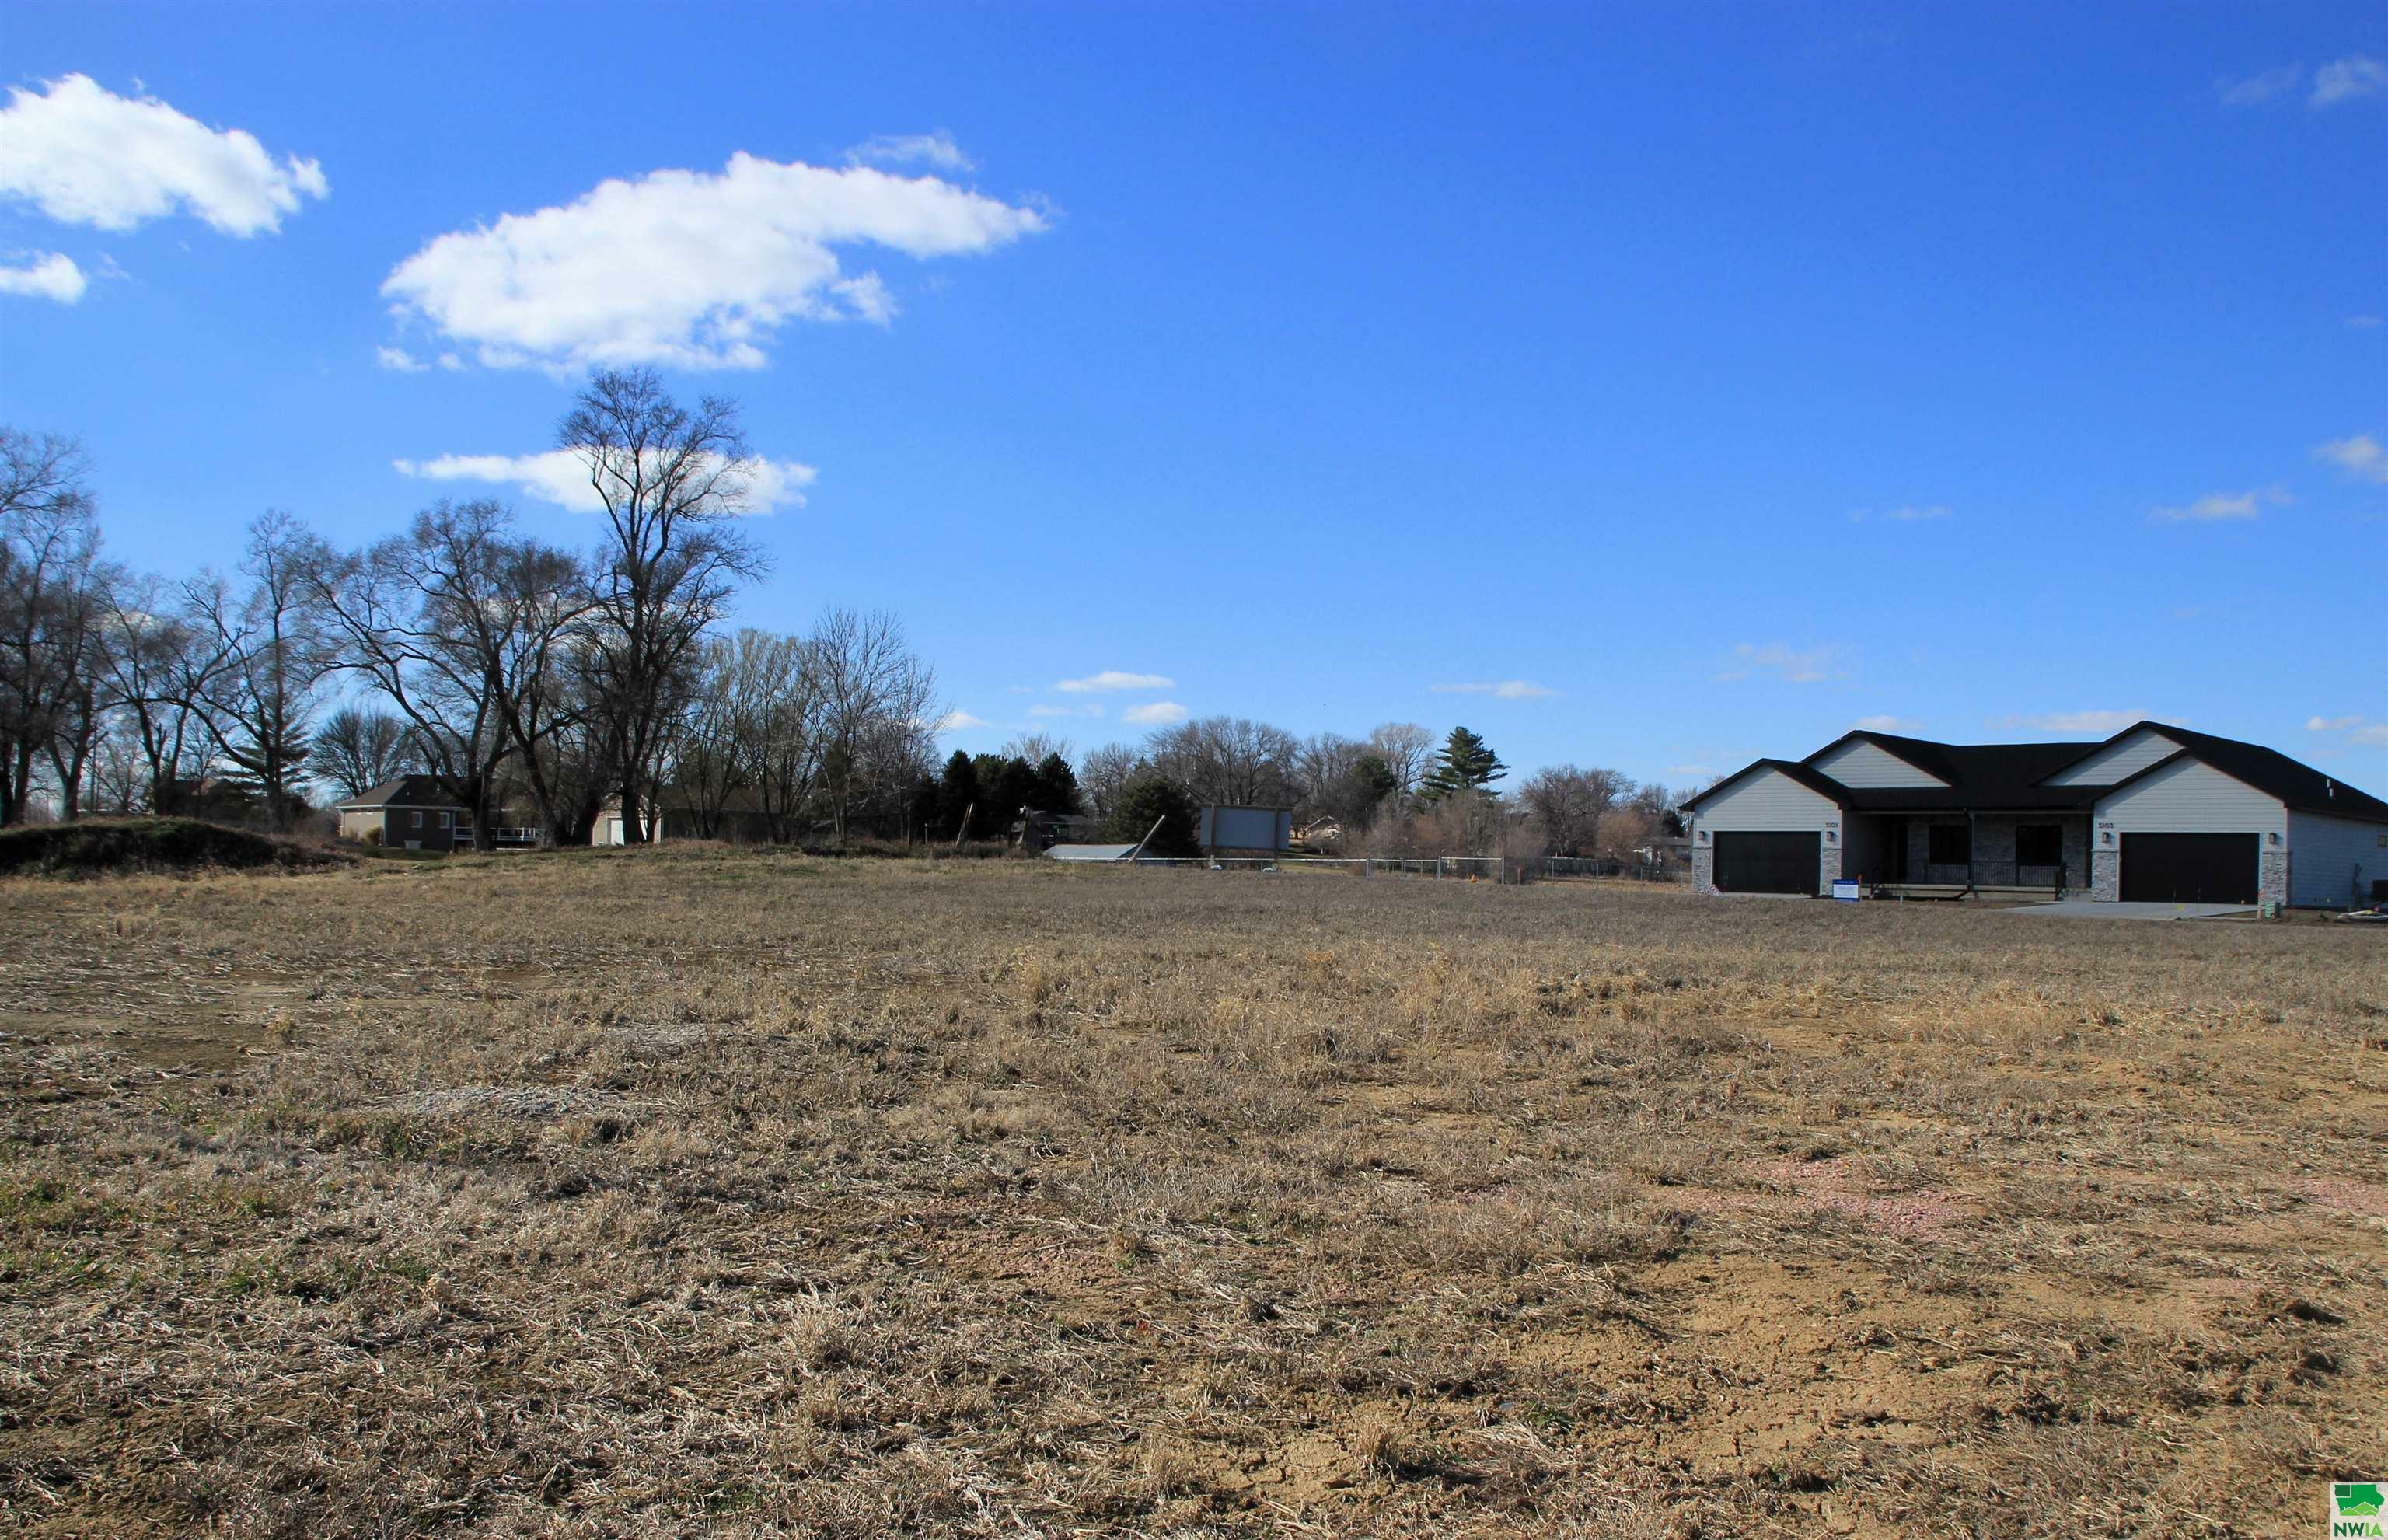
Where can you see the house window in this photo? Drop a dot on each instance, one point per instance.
(2039, 845)
(1951, 844)
(418, 818)
(443, 821)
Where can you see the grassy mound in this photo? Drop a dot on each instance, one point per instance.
(100, 846)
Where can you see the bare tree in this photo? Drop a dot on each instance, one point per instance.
(780, 724)
(275, 659)
(1321, 760)
(117, 776)
(1032, 748)
(1568, 802)
(672, 481)
(1623, 827)
(717, 745)
(357, 749)
(78, 643)
(1104, 778)
(1228, 760)
(1407, 750)
(49, 570)
(459, 625)
(876, 696)
(160, 666)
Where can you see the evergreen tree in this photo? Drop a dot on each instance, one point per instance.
(927, 796)
(1151, 798)
(1372, 781)
(957, 793)
(1057, 787)
(1014, 787)
(1467, 764)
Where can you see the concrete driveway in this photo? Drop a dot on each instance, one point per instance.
(2085, 909)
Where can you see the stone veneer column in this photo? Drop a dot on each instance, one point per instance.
(1704, 869)
(2272, 886)
(2106, 875)
(1828, 865)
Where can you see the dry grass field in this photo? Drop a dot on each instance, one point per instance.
(740, 1194)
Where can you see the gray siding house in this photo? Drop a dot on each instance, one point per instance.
(2156, 813)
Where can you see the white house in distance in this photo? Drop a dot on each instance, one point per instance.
(2156, 813)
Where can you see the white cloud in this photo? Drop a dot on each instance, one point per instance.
(2095, 724)
(84, 155)
(2368, 734)
(1507, 690)
(1789, 664)
(1154, 714)
(2363, 322)
(691, 269)
(955, 721)
(2215, 507)
(561, 476)
(2260, 87)
(1884, 723)
(937, 149)
(1043, 710)
(1702, 770)
(1113, 679)
(2347, 79)
(2359, 456)
(399, 361)
(52, 275)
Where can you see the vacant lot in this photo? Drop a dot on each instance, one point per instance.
(747, 1195)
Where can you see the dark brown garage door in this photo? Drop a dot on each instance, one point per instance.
(1766, 862)
(2189, 869)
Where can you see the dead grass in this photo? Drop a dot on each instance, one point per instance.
(756, 1195)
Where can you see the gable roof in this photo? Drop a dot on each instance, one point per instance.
(2300, 787)
(2003, 776)
(405, 791)
(1815, 780)
(2014, 777)
(1922, 753)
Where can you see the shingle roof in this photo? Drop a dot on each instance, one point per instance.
(1815, 780)
(2003, 776)
(2302, 787)
(405, 791)
(2012, 777)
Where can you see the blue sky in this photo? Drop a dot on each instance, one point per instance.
(1713, 379)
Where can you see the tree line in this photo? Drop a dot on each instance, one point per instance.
(550, 683)
(515, 673)
(1398, 791)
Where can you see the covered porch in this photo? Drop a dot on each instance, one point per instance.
(1989, 855)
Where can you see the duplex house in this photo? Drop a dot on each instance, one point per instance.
(410, 812)
(2154, 813)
